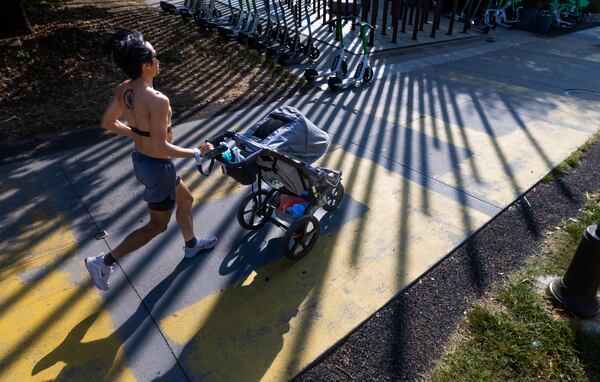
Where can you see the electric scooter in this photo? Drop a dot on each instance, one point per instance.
(208, 16)
(176, 9)
(187, 15)
(339, 65)
(298, 51)
(255, 41)
(496, 13)
(310, 50)
(274, 50)
(271, 42)
(231, 31)
(364, 71)
(255, 26)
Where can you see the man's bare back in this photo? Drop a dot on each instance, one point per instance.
(141, 105)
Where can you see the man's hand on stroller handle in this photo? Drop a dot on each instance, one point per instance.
(205, 148)
(208, 151)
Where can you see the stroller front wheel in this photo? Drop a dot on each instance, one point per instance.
(301, 237)
(334, 197)
(253, 212)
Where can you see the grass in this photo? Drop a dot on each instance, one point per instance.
(572, 161)
(516, 335)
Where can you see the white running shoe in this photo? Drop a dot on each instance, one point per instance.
(202, 243)
(99, 271)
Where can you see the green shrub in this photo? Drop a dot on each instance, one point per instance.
(594, 6)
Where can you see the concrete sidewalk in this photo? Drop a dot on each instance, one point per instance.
(430, 152)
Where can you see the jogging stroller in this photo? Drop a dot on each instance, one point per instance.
(278, 152)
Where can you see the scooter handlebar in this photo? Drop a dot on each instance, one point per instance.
(364, 24)
(332, 22)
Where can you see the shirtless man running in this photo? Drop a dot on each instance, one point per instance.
(148, 116)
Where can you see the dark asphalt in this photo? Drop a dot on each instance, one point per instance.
(403, 340)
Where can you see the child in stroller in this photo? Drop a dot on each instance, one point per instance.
(278, 152)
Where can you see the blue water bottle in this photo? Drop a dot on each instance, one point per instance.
(298, 209)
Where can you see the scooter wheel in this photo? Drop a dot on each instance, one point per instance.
(334, 83)
(368, 76)
(216, 13)
(198, 16)
(310, 75)
(314, 53)
(486, 29)
(301, 237)
(271, 54)
(260, 47)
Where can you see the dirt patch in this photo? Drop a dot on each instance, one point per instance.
(59, 80)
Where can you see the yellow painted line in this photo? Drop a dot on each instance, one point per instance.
(51, 327)
(283, 316)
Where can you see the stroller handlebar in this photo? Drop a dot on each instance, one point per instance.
(221, 137)
(217, 143)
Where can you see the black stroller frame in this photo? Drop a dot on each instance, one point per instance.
(261, 205)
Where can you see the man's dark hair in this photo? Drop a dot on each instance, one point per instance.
(129, 50)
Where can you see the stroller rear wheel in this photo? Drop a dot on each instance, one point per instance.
(334, 197)
(301, 237)
(253, 212)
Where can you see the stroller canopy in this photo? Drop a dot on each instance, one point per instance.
(287, 131)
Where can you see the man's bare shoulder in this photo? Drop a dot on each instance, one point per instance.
(156, 98)
(122, 86)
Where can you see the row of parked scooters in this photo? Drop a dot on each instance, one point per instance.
(277, 40)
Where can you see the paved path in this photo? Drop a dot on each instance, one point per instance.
(429, 155)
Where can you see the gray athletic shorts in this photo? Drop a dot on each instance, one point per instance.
(160, 179)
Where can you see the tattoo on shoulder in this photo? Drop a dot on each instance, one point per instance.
(128, 99)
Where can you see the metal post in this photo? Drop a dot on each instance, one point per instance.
(417, 20)
(576, 290)
(468, 16)
(404, 15)
(437, 16)
(385, 16)
(374, 9)
(395, 11)
(452, 17)
(425, 15)
(365, 10)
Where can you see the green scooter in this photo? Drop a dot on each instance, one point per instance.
(364, 71)
(339, 65)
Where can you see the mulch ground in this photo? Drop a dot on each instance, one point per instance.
(59, 80)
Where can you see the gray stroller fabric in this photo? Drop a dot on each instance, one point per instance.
(287, 131)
